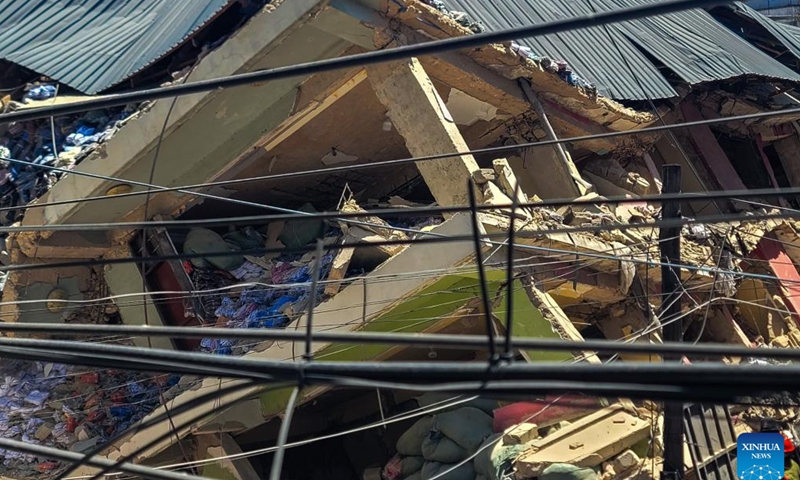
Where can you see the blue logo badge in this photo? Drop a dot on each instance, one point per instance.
(760, 456)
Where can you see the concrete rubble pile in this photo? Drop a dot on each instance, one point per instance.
(70, 408)
(566, 437)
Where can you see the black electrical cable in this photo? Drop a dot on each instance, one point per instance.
(133, 455)
(94, 461)
(423, 340)
(426, 238)
(484, 289)
(431, 211)
(404, 161)
(520, 390)
(364, 59)
(426, 372)
(502, 149)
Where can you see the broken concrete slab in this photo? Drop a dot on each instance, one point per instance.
(484, 175)
(520, 434)
(555, 315)
(611, 170)
(587, 442)
(349, 310)
(508, 181)
(339, 268)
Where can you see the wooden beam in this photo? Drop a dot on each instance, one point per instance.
(419, 114)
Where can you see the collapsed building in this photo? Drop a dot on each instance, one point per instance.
(739, 277)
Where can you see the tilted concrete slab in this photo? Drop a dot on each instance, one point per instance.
(228, 121)
(353, 308)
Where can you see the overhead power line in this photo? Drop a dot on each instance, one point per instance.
(425, 238)
(413, 372)
(94, 461)
(474, 342)
(433, 211)
(364, 59)
(396, 162)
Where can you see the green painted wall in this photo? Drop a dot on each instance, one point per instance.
(214, 470)
(440, 299)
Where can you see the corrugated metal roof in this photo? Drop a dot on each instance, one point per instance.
(92, 45)
(770, 4)
(692, 44)
(787, 35)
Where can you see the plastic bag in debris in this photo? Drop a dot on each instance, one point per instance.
(248, 271)
(220, 347)
(36, 397)
(32, 425)
(522, 50)
(121, 412)
(135, 389)
(279, 304)
(468, 427)
(565, 471)
(298, 233)
(438, 448)
(410, 443)
(696, 232)
(260, 296)
(410, 466)
(286, 273)
(496, 462)
(266, 318)
(464, 472)
(227, 309)
(42, 92)
(60, 433)
(202, 240)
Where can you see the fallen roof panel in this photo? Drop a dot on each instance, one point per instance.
(92, 45)
(623, 60)
(787, 35)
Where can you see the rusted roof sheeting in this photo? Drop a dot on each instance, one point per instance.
(92, 45)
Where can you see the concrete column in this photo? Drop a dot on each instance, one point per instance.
(711, 152)
(788, 149)
(542, 171)
(126, 279)
(220, 446)
(419, 114)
